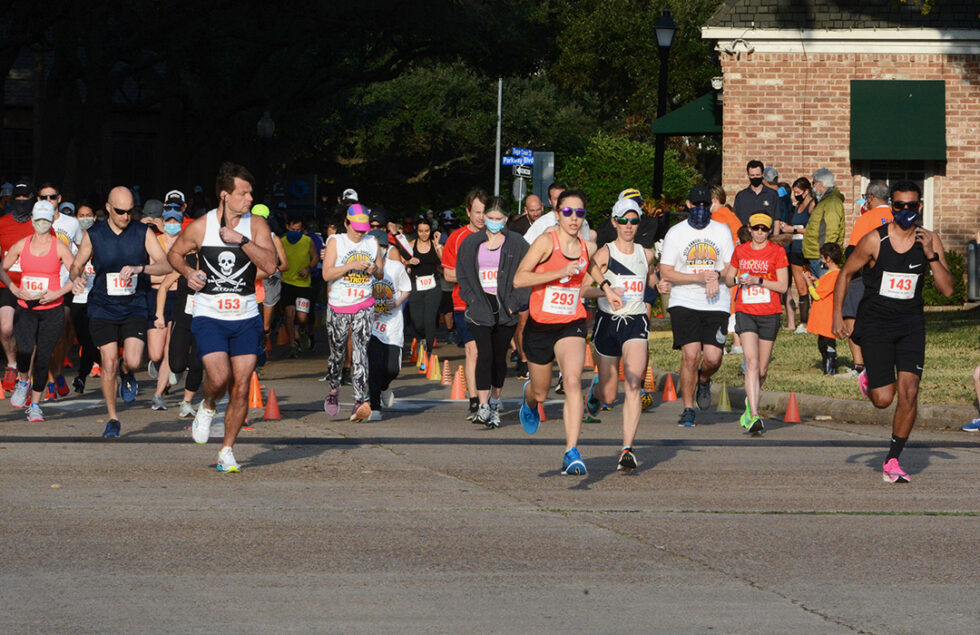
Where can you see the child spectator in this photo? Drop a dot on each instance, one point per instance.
(822, 310)
(974, 425)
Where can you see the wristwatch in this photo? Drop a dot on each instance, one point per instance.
(244, 242)
(934, 258)
(604, 282)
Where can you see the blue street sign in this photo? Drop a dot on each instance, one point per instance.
(522, 152)
(516, 160)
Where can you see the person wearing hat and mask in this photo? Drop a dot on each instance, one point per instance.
(694, 255)
(165, 309)
(40, 320)
(302, 257)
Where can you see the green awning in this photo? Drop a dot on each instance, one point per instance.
(701, 116)
(898, 120)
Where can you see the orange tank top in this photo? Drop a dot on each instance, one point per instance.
(559, 302)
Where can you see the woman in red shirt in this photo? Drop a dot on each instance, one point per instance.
(760, 269)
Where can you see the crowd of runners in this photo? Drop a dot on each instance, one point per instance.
(203, 295)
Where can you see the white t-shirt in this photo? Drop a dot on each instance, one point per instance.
(690, 250)
(549, 220)
(69, 232)
(389, 323)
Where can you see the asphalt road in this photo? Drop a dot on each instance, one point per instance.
(424, 522)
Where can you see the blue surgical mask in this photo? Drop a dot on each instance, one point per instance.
(699, 216)
(495, 226)
(906, 218)
(172, 229)
(860, 202)
(293, 237)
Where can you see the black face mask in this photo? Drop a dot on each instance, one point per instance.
(22, 209)
(756, 181)
(799, 198)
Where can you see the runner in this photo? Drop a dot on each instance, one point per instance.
(234, 248)
(622, 326)
(388, 329)
(694, 253)
(272, 284)
(297, 299)
(485, 269)
(88, 352)
(351, 262)
(40, 320)
(124, 255)
(164, 305)
(555, 270)
(760, 270)
(426, 295)
(183, 354)
(13, 227)
(890, 326)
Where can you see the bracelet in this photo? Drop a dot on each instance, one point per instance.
(604, 282)
(935, 257)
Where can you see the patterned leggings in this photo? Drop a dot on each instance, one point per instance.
(359, 325)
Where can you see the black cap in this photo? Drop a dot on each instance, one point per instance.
(153, 209)
(23, 189)
(378, 215)
(699, 194)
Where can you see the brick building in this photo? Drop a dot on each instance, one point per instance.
(871, 89)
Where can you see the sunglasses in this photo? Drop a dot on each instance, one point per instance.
(121, 212)
(48, 197)
(171, 207)
(622, 220)
(568, 211)
(759, 228)
(909, 205)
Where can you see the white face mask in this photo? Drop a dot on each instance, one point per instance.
(86, 222)
(42, 226)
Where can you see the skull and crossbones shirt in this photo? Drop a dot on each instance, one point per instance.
(229, 291)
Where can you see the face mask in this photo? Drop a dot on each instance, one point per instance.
(905, 218)
(172, 229)
(293, 237)
(86, 222)
(42, 226)
(861, 202)
(799, 198)
(495, 226)
(22, 209)
(756, 181)
(699, 216)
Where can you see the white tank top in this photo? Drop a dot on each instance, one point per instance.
(229, 292)
(352, 292)
(627, 272)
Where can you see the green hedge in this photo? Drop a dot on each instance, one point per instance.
(932, 297)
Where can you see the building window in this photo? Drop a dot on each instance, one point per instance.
(919, 172)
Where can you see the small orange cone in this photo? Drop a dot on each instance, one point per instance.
(649, 384)
(792, 410)
(447, 377)
(622, 375)
(589, 362)
(423, 360)
(254, 392)
(283, 337)
(541, 411)
(433, 374)
(669, 393)
(434, 342)
(272, 407)
(413, 354)
(458, 392)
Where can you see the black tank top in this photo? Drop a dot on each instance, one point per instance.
(428, 262)
(893, 287)
(183, 291)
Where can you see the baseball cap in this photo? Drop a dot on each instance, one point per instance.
(760, 218)
(67, 208)
(625, 205)
(152, 209)
(175, 197)
(632, 193)
(699, 194)
(381, 235)
(358, 218)
(24, 190)
(7, 189)
(378, 215)
(770, 175)
(169, 212)
(261, 209)
(349, 195)
(43, 210)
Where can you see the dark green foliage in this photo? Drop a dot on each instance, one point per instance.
(932, 297)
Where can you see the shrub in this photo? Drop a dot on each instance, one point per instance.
(932, 297)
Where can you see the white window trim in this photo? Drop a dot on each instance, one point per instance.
(928, 189)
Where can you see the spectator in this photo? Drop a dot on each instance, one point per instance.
(722, 213)
(822, 292)
(826, 224)
(756, 197)
(803, 206)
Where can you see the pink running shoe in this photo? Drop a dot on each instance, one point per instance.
(892, 472)
(331, 405)
(863, 383)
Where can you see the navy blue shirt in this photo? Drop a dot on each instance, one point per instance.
(110, 253)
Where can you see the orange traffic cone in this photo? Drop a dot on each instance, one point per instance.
(649, 384)
(254, 392)
(283, 337)
(792, 410)
(589, 362)
(413, 354)
(669, 393)
(423, 360)
(458, 392)
(272, 407)
(434, 340)
(433, 373)
(622, 375)
(447, 377)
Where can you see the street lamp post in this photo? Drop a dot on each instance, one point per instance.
(665, 29)
(265, 128)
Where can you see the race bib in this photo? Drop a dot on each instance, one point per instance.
(900, 286)
(755, 295)
(35, 285)
(189, 305)
(560, 300)
(633, 287)
(380, 327)
(424, 283)
(357, 293)
(229, 305)
(116, 286)
(488, 279)
(302, 305)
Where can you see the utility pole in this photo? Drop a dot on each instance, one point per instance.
(496, 169)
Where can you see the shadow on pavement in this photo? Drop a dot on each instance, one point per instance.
(913, 461)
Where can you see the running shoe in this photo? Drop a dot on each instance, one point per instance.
(79, 385)
(387, 398)
(522, 372)
(704, 394)
(294, 353)
(112, 429)
(514, 357)
(687, 418)
(482, 414)
(800, 329)
(96, 370)
(61, 385)
(34, 413)
(737, 350)
(494, 416)
(471, 415)
(186, 410)
(863, 384)
(305, 343)
(158, 403)
(560, 388)
(592, 402)
(201, 427)
(9, 378)
(746, 419)
(572, 463)
(627, 460)
(757, 427)
(973, 426)
(375, 415)
(605, 407)
(128, 388)
(152, 370)
(892, 472)
(174, 378)
(51, 392)
(361, 411)
(227, 462)
(530, 419)
(22, 394)
(331, 405)
(646, 401)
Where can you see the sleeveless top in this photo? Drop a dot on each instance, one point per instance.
(558, 301)
(110, 299)
(893, 287)
(627, 272)
(298, 257)
(800, 216)
(229, 291)
(352, 292)
(184, 305)
(40, 273)
(425, 274)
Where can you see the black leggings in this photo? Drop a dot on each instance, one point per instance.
(184, 355)
(43, 329)
(384, 363)
(423, 308)
(827, 346)
(492, 344)
(88, 354)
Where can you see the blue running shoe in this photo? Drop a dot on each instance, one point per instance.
(128, 387)
(112, 429)
(687, 418)
(573, 463)
(529, 418)
(973, 426)
(591, 402)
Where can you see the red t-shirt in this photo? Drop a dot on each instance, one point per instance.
(765, 262)
(450, 252)
(10, 232)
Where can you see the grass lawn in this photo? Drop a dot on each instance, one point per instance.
(952, 352)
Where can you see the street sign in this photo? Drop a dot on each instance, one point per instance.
(519, 190)
(523, 171)
(516, 160)
(522, 152)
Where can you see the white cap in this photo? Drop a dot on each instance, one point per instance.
(349, 195)
(43, 210)
(624, 205)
